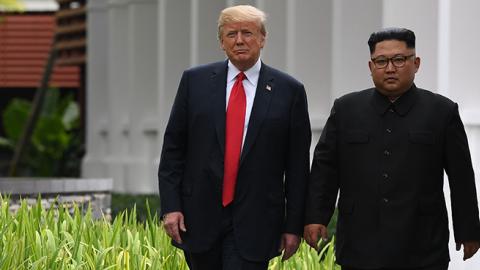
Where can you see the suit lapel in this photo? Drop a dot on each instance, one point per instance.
(219, 84)
(263, 95)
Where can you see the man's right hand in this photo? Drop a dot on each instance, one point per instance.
(312, 233)
(173, 222)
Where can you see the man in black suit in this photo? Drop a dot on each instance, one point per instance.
(385, 149)
(235, 159)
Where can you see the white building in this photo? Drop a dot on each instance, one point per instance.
(137, 50)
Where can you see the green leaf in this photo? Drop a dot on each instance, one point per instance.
(14, 118)
(50, 136)
(71, 116)
(6, 143)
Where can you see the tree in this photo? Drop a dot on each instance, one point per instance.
(11, 5)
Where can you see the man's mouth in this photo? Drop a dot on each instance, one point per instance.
(240, 51)
(391, 79)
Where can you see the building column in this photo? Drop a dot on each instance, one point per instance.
(97, 133)
(141, 107)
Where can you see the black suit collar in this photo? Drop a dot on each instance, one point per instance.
(401, 106)
(219, 84)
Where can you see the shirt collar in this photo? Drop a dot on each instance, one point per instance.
(401, 105)
(251, 74)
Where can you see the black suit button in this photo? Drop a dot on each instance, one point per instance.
(391, 110)
(385, 200)
(387, 153)
(385, 175)
(388, 130)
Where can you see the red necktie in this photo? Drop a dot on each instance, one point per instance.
(235, 121)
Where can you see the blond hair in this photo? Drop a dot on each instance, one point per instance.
(242, 13)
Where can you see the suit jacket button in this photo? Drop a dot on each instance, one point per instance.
(385, 200)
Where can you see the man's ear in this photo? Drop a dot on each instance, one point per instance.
(417, 63)
(221, 45)
(371, 66)
(262, 41)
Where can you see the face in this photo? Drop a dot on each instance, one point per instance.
(393, 81)
(242, 43)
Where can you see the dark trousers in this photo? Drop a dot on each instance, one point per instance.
(443, 266)
(224, 254)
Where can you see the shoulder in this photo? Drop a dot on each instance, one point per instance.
(355, 97)
(207, 68)
(280, 76)
(435, 99)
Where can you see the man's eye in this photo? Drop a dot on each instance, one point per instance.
(381, 62)
(231, 34)
(398, 60)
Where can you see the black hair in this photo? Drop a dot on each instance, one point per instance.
(394, 33)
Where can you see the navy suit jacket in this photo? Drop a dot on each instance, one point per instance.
(274, 165)
(388, 161)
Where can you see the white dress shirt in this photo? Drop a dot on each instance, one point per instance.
(249, 85)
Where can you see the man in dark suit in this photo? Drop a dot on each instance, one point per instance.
(235, 159)
(385, 149)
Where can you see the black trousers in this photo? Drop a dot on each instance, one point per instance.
(443, 266)
(224, 254)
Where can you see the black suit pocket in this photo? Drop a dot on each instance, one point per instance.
(357, 136)
(421, 137)
(432, 228)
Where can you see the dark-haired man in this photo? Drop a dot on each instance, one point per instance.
(385, 149)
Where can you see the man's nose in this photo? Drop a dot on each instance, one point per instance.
(390, 67)
(239, 38)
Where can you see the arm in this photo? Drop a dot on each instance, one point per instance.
(458, 166)
(297, 166)
(323, 183)
(172, 161)
(296, 174)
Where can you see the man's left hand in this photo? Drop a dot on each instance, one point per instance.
(469, 248)
(289, 245)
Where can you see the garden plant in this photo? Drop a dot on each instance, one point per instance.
(33, 237)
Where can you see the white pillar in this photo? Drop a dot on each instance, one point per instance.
(140, 129)
(174, 56)
(97, 133)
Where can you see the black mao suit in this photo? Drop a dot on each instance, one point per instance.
(388, 161)
(272, 178)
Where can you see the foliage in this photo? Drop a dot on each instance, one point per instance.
(11, 5)
(36, 238)
(55, 147)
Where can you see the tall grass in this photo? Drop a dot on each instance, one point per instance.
(36, 238)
